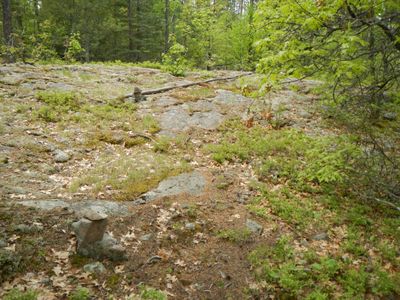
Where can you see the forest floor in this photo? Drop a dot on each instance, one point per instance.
(195, 184)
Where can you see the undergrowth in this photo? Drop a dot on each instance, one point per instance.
(308, 183)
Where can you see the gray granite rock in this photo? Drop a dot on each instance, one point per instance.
(96, 267)
(175, 119)
(23, 228)
(390, 116)
(146, 237)
(3, 243)
(190, 226)
(100, 206)
(323, 236)
(61, 156)
(60, 86)
(229, 98)
(253, 226)
(45, 204)
(190, 183)
(165, 101)
(206, 120)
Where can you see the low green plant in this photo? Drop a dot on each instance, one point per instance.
(66, 101)
(47, 114)
(385, 285)
(193, 94)
(22, 108)
(10, 264)
(354, 283)
(162, 144)
(56, 105)
(16, 294)
(241, 235)
(80, 293)
(288, 154)
(129, 176)
(310, 277)
(151, 124)
(149, 293)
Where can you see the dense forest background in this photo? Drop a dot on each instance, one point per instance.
(213, 33)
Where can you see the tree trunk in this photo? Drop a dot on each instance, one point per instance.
(36, 10)
(130, 30)
(166, 32)
(137, 31)
(7, 27)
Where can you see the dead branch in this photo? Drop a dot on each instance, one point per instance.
(185, 85)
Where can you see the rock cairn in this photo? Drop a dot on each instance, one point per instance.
(93, 241)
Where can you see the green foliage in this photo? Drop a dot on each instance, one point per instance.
(42, 44)
(384, 285)
(355, 283)
(163, 144)
(174, 60)
(151, 124)
(214, 35)
(80, 294)
(240, 236)
(47, 114)
(289, 154)
(149, 293)
(74, 48)
(65, 101)
(16, 294)
(56, 105)
(354, 49)
(9, 264)
(330, 160)
(313, 276)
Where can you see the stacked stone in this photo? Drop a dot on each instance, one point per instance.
(93, 241)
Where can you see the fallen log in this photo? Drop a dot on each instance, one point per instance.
(138, 94)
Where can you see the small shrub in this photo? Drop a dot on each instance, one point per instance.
(43, 47)
(64, 101)
(74, 49)
(240, 236)
(163, 144)
(56, 105)
(9, 264)
(385, 285)
(80, 294)
(174, 60)
(16, 294)
(47, 114)
(149, 293)
(355, 283)
(151, 124)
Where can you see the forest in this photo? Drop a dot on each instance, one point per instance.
(199, 149)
